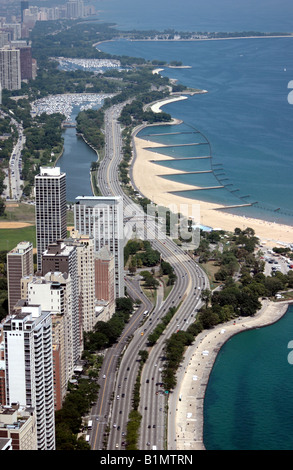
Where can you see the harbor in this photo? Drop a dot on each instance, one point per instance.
(65, 103)
(67, 63)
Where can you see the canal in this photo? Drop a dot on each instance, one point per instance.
(76, 162)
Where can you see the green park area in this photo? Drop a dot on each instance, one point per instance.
(17, 213)
(20, 213)
(10, 237)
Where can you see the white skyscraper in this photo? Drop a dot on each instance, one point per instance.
(29, 368)
(102, 219)
(53, 292)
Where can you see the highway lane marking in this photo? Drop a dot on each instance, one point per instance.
(111, 359)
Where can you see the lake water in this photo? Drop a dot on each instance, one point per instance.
(76, 163)
(249, 398)
(198, 15)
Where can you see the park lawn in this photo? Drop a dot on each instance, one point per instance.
(20, 212)
(211, 268)
(10, 237)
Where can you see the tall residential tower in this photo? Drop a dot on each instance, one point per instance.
(19, 264)
(50, 188)
(102, 218)
(10, 72)
(29, 368)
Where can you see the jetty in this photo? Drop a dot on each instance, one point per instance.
(196, 188)
(171, 159)
(196, 172)
(179, 145)
(172, 133)
(234, 206)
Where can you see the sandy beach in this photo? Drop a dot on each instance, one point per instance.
(146, 176)
(194, 375)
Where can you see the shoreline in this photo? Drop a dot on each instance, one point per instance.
(290, 35)
(145, 175)
(186, 417)
(188, 420)
(285, 35)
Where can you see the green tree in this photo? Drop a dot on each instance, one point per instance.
(206, 296)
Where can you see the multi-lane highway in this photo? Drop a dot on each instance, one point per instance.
(13, 180)
(110, 379)
(120, 374)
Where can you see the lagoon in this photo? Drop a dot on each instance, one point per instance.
(76, 162)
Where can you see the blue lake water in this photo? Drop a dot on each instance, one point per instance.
(198, 15)
(248, 401)
(76, 162)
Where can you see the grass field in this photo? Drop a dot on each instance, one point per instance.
(10, 237)
(20, 212)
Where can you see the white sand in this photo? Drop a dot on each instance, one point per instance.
(156, 107)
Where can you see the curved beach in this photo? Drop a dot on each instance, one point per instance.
(147, 179)
(192, 379)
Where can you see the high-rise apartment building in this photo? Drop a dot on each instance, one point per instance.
(2, 368)
(53, 292)
(5, 37)
(26, 60)
(75, 9)
(64, 259)
(10, 73)
(104, 279)
(15, 29)
(50, 193)
(102, 219)
(29, 368)
(19, 264)
(86, 275)
(19, 424)
(23, 6)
